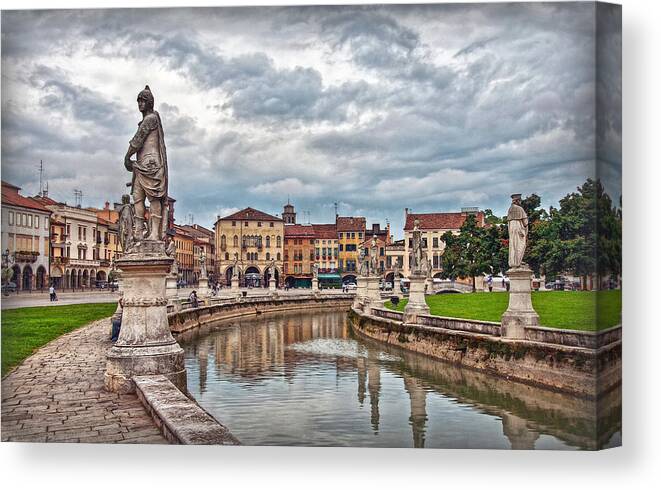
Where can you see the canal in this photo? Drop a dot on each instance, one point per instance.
(304, 379)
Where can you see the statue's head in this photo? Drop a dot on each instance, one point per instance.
(416, 224)
(146, 100)
(126, 199)
(516, 198)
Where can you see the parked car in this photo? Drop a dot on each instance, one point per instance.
(351, 286)
(10, 287)
(102, 284)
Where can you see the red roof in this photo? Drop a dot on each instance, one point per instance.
(251, 214)
(324, 231)
(10, 196)
(440, 221)
(46, 201)
(350, 223)
(306, 231)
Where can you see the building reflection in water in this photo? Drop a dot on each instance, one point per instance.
(254, 350)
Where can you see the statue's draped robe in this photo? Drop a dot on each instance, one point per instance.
(151, 168)
(517, 225)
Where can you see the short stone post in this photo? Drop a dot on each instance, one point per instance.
(361, 293)
(145, 345)
(520, 312)
(203, 287)
(171, 290)
(373, 292)
(417, 304)
(235, 284)
(272, 284)
(315, 284)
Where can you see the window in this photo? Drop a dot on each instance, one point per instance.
(11, 218)
(245, 223)
(340, 234)
(271, 224)
(268, 256)
(233, 223)
(341, 247)
(268, 242)
(278, 255)
(227, 255)
(353, 234)
(259, 224)
(435, 242)
(360, 234)
(381, 252)
(279, 243)
(236, 241)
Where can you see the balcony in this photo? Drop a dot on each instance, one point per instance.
(60, 260)
(104, 263)
(26, 256)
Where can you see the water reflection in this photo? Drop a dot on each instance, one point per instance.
(303, 379)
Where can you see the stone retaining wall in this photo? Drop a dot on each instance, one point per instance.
(186, 320)
(581, 371)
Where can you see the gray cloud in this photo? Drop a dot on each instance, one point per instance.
(376, 107)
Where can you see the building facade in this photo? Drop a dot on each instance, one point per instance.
(299, 255)
(185, 244)
(350, 234)
(25, 238)
(433, 226)
(203, 240)
(256, 238)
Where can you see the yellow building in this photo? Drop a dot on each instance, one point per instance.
(350, 234)
(256, 238)
(184, 243)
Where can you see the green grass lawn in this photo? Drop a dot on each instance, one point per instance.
(575, 310)
(24, 330)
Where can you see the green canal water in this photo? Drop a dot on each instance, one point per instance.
(304, 379)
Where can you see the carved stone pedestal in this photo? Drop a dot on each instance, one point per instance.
(145, 345)
(416, 305)
(203, 287)
(361, 293)
(372, 294)
(315, 284)
(519, 313)
(272, 284)
(235, 284)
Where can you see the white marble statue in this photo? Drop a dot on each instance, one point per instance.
(517, 226)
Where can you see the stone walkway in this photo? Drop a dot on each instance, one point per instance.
(57, 395)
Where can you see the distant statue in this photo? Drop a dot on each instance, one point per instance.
(126, 214)
(171, 251)
(428, 268)
(150, 171)
(235, 266)
(374, 256)
(363, 265)
(203, 264)
(315, 271)
(417, 255)
(272, 270)
(517, 226)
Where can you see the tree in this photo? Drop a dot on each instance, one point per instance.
(474, 257)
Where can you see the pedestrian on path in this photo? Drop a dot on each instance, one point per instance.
(51, 291)
(193, 299)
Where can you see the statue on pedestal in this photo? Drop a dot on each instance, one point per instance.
(517, 226)
(171, 251)
(363, 265)
(315, 271)
(235, 266)
(150, 171)
(417, 255)
(203, 264)
(374, 256)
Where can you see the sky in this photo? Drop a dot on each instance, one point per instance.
(375, 108)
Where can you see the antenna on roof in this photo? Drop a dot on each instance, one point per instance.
(190, 218)
(41, 177)
(77, 198)
(335, 205)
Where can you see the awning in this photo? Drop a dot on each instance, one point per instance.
(329, 276)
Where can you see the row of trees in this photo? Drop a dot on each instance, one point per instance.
(583, 236)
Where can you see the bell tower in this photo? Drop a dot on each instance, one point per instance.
(289, 214)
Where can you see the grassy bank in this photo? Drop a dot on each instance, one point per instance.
(24, 330)
(576, 310)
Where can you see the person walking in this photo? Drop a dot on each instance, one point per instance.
(490, 282)
(51, 291)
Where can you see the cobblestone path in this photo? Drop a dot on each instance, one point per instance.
(57, 395)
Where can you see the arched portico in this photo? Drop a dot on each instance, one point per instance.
(252, 276)
(26, 283)
(267, 276)
(348, 278)
(41, 277)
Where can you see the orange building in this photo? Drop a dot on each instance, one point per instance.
(299, 255)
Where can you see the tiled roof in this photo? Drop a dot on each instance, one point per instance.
(251, 214)
(299, 231)
(180, 230)
(350, 223)
(46, 201)
(324, 231)
(11, 197)
(199, 232)
(440, 221)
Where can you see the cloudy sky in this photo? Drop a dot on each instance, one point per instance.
(430, 107)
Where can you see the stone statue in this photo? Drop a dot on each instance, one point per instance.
(171, 251)
(235, 265)
(150, 171)
(315, 271)
(203, 264)
(374, 256)
(517, 226)
(125, 224)
(363, 266)
(417, 255)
